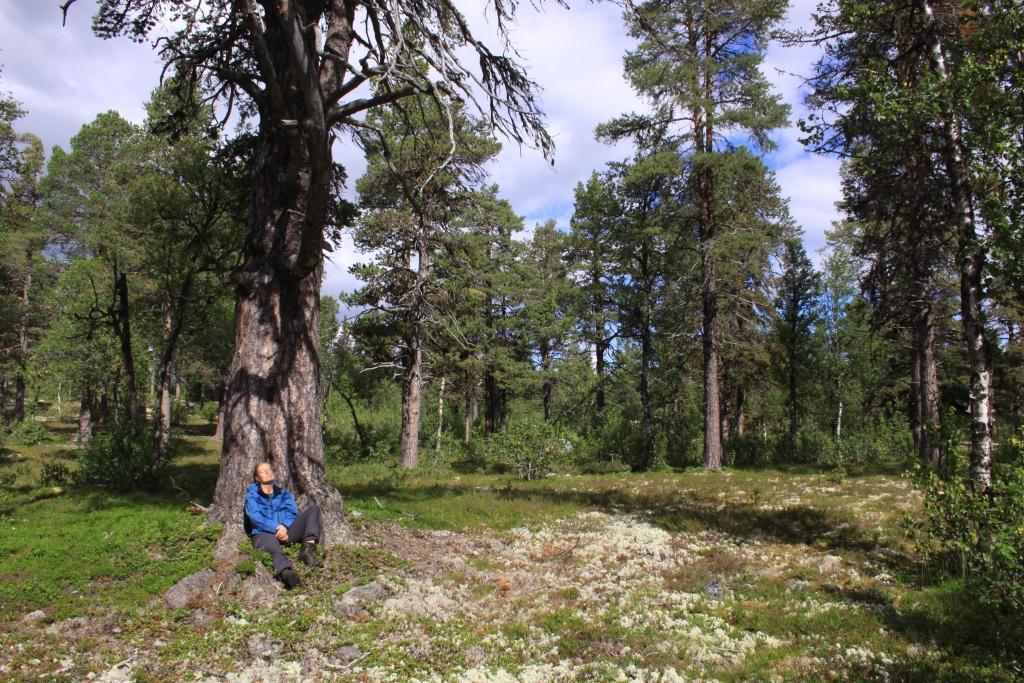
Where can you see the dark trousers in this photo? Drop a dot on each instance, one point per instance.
(305, 528)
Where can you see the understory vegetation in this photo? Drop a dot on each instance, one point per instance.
(766, 573)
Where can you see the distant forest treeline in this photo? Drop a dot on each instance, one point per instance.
(677, 319)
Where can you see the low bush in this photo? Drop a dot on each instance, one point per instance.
(28, 432)
(977, 536)
(122, 458)
(530, 449)
(54, 474)
(209, 411)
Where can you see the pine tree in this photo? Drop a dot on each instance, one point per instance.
(796, 304)
(697, 64)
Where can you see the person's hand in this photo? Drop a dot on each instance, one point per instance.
(281, 533)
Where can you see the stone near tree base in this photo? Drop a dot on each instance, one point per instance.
(370, 592)
(830, 564)
(348, 653)
(188, 589)
(351, 605)
(261, 645)
(260, 589)
(33, 617)
(351, 611)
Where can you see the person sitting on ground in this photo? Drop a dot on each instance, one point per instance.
(272, 518)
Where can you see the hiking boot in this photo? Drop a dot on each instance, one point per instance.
(308, 555)
(290, 578)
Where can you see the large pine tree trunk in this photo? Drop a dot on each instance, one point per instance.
(712, 434)
(971, 260)
(412, 400)
(19, 383)
(273, 396)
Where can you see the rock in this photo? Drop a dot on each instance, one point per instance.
(188, 589)
(887, 554)
(830, 564)
(260, 645)
(33, 617)
(259, 589)
(200, 618)
(312, 663)
(475, 656)
(80, 628)
(348, 653)
(351, 610)
(371, 592)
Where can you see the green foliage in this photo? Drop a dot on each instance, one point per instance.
(530, 449)
(28, 432)
(55, 473)
(209, 411)
(123, 458)
(977, 536)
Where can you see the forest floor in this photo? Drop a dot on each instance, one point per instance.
(733, 576)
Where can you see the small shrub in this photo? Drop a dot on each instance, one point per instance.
(29, 432)
(54, 474)
(121, 458)
(209, 411)
(7, 479)
(604, 467)
(977, 536)
(747, 451)
(530, 449)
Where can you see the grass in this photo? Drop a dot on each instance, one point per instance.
(517, 586)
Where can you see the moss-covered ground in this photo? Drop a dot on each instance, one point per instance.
(733, 576)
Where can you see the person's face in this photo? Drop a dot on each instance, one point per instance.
(264, 475)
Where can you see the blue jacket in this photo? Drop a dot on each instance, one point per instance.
(266, 512)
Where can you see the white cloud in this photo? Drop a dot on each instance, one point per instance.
(65, 76)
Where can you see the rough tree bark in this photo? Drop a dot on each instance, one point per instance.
(412, 387)
(971, 259)
(122, 327)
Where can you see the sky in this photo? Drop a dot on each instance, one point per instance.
(65, 76)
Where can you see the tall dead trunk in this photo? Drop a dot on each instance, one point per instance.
(739, 423)
(839, 421)
(218, 433)
(162, 414)
(85, 415)
(440, 415)
(926, 416)
(19, 382)
(971, 260)
(123, 328)
(472, 401)
(412, 388)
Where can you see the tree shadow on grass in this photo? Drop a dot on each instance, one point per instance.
(975, 641)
